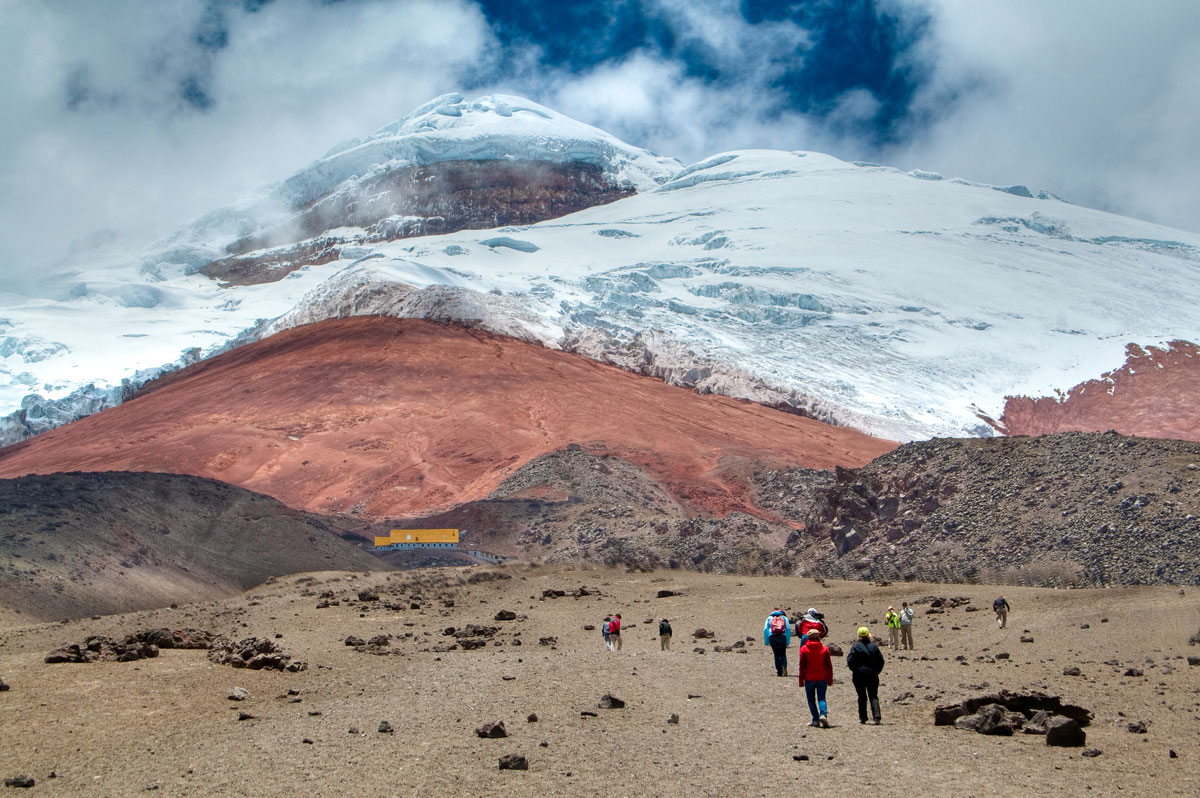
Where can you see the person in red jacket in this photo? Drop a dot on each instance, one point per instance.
(614, 631)
(816, 674)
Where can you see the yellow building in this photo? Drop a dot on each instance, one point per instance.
(419, 539)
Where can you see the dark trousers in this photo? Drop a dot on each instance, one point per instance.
(779, 648)
(867, 687)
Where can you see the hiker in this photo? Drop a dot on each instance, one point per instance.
(777, 633)
(865, 662)
(604, 630)
(1000, 607)
(906, 619)
(664, 635)
(614, 632)
(892, 620)
(816, 674)
(811, 620)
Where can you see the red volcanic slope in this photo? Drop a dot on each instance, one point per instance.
(382, 417)
(1154, 395)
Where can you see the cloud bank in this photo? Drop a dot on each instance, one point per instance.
(141, 116)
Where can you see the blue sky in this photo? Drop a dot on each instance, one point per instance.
(143, 115)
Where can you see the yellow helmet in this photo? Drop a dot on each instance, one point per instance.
(864, 631)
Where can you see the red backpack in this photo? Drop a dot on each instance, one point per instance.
(779, 624)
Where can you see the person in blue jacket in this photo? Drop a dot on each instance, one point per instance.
(777, 633)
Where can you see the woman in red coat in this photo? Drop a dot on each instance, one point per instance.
(816, 674)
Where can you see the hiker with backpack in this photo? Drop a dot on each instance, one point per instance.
(604, 630)
(816, 674)
(614, 632)
(1000, 607)
(865, 662)
(777, 633)
(664, 635)
(811, 620)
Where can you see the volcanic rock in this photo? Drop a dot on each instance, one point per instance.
(1064, 731)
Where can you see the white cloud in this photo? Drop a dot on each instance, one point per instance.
(295, 79)
(1095, 101)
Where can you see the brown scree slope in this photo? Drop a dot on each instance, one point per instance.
(383, 417)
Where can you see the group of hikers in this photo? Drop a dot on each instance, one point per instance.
(815, 663)
(865, 660)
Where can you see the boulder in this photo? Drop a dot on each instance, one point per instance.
(505, 615)
(514, 762)
(610, 701)
(1064, 731)
(493, 730)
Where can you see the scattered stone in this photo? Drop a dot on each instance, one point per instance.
(3, 686)
(1133, 672)
(1064, 731)
(548, 641)
(800, 757)
(610, 701)
(673, 719)
(835, 650)
(238, 694)
(587, 713)
(352, 730)
(533, 718)
(1026, 638)
(1085, 626)
(253, 653)
(514, 762)
(1036, 724)
(492, 730)
(703, 633)
(1193, 660)
(1002, 655)
(1171, 753)
(1137, 727)
(19, 781)
(355, 641)
(1090, 752)
(245, 716)
(1072, 671)
(307, 741)
(385, 727)
(505, 615)
(667, 593)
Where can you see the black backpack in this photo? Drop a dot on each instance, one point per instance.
(664, 628)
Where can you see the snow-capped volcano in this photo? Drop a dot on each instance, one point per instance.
(899, 303)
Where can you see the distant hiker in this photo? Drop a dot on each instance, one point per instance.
(777, 633)
(811, 620)
(614, 632)
(906, 619)
(1001, 608)
(892, 620)
(816, 674)
(865, 662)
(606, 631)
(664, 635)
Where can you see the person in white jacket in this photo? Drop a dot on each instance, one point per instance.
(906, 624)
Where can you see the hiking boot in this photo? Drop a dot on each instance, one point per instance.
(824, 722)
(814, 724)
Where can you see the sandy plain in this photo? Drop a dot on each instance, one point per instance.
(166, 725)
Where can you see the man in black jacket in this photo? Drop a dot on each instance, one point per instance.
(866, 663)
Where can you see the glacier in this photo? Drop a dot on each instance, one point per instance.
(900, 303)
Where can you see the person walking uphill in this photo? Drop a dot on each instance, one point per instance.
(777, 633)
(865, 662)
(1001, 608)
(811, 620)
(664, 635)
(892, 620)
(816, 674)
(614, 632)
